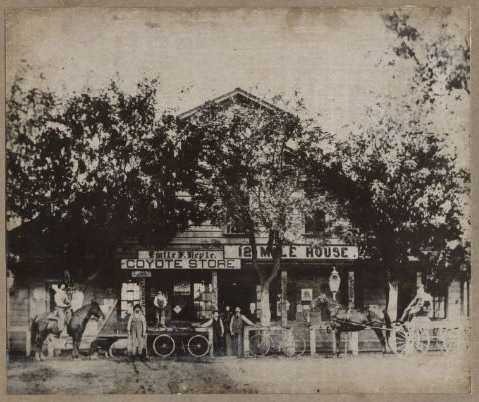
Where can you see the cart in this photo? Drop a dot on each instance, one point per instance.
(423, 334)
(179, 337)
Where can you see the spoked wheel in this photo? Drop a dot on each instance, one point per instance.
(294, 345)
(449, 339)
(260, 344)
(118, 349)
(422, 339)
(402, 341)
(163, 345)
(198, 346)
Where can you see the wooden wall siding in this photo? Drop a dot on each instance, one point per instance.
(19, 308)
(207, 233)
(17, 340)
(454, 300)
(368, 341)
(372, 287)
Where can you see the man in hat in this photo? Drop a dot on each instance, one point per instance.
(62, 306)
(236, 329)
(160, 301)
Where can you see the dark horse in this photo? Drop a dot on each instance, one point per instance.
(344, 319)
(45, 324)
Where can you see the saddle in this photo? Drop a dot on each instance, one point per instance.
(52, 316)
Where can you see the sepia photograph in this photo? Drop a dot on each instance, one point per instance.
(238, 201)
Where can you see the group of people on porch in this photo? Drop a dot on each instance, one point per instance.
(228, 331)
(227, 327)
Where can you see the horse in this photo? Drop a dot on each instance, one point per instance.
(45, 324)
(345, 319)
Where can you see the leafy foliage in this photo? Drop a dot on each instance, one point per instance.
(441, 62)
(251, 172)
(96, 169)
(401, 188)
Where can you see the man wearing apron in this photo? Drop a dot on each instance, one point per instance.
(236, 327)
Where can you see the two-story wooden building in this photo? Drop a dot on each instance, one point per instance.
(207, 268)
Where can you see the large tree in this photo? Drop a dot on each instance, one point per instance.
(398, 172)
(93, 169)
(251, 176)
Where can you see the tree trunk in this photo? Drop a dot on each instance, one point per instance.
(265, 284)
(265, 307)
(392, 299)
(392, 308)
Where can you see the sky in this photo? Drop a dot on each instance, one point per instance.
(336, 58)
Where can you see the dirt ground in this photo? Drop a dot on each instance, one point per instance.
(438, 373)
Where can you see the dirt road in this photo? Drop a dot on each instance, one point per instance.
(424, 373)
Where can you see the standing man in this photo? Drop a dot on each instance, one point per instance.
(227, 315)
(160, 301)
(236, 328)
(218, 332)
(62, 306)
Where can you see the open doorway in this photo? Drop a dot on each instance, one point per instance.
(237, 290)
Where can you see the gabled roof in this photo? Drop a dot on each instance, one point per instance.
(234, 95)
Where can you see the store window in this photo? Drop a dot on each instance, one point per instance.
(439, 306)
(130, 295)
(315, 223)
(203, 300)
(233, 228)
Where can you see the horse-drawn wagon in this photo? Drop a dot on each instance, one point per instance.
(422, 334)
(176, 337)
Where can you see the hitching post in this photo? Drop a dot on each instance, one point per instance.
(334, 282)
(284, 301)
(210, 340)
(312, 340)
(214, 285)
(353, 336)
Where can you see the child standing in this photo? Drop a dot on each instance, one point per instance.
(136, 329)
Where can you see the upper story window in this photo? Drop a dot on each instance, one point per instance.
(233, 229)
(315, 223)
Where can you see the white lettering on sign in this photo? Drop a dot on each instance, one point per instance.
(182, 254)
(140, 274)
(296, 252)
(184, 263)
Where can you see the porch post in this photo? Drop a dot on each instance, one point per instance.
(214, 285)
(392, 309)
(258, 301)
(284, 311)
(353, 336)
(312, 340)
(418, 278)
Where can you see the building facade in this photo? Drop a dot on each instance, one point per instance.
(207, 268)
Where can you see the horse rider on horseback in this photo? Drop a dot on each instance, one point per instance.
(420, 305)
(62, 306)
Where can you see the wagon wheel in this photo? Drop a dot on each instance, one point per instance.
(450, 339)
(163, 345)
(293, 345)
(422, 339)
(116, 353)
(403, 341)
(198, 346)
(260, 344)
(439, 339)
(300, 344)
